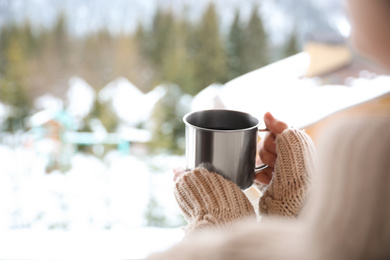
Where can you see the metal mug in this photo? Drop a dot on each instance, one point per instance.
(225, 142)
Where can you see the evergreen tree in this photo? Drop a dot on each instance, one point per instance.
(291, 46)
(141, 39)
(13, 86)
(256, 45)
(166, 47)
(105, 114)
(177, 67)
(60, 36)
(95, 61)
(161, 36)
(235, 48)
(49, 65)
(167, 117)
(8, 33)
(29, 40)
(210, 55)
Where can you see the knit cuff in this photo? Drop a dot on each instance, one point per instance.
(207, 199)
(294, 165)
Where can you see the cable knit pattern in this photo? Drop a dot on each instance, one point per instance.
(207, 199)
(285, 195)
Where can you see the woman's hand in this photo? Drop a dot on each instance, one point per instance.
(209, 200)
(267, 148)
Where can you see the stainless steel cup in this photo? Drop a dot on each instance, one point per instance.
(223, 141)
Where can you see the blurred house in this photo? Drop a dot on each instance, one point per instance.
(208, 98)
(57, 129)
(333, 62)
(80, 98)
(131, 105)
(309, 89)
(3, 113)
(133, 109)
(47, 128)
(328, 54)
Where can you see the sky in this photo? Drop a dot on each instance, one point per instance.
(86, 16)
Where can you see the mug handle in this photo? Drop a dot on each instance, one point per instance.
(263, 129)
(262, 166)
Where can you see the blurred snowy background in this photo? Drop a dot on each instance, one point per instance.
(92, 95)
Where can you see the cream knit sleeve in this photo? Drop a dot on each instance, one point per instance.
(285, 195)
(207, 199)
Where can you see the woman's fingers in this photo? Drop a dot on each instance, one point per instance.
(178, 172)
(265, 176)
(267, 157)
(269, 143)
(274, 125)
(267, 148)
(267, 151)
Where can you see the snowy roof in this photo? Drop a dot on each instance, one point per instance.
(3, 112)
(48, 101)
(120, 89)
(281, 89)
(128, 102)
(41, 117)
(81, 97)
(155, 94)
(207, 98)
(44, 116)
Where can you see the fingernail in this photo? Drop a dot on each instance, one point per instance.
(269, 116)
(176, 169)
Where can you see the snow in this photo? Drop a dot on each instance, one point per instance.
(155, 94)
(128, 102)
(136, 243)
(41, 117)
(94, 210)
(97, 126)
(281, 89)
(48, 102)
(3, 112)
(80, 97)
(120, 89)
(207, 98)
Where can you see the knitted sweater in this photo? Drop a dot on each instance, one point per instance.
(347, 215)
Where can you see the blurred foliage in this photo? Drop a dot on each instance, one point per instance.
(210, 58)
(13, 84)
(174, 50)
(156, 217)
(103, 112)
(291, 47)
(256, 43)
(168, 128)
(236, 48)
(154, 214)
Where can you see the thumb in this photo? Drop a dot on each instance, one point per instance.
(274, 125)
